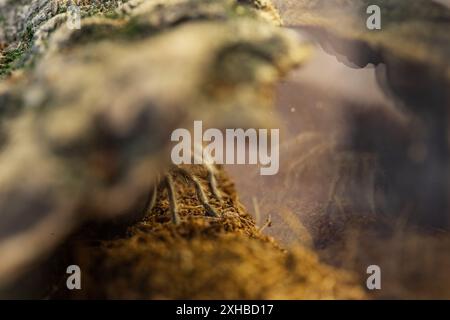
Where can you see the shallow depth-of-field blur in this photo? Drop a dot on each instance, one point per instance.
(328, 194)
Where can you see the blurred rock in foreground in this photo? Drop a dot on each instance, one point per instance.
(86, 115)
(410, 54)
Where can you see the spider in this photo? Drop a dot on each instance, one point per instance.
(168, 183)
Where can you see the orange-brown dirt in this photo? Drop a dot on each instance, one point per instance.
(201, 258)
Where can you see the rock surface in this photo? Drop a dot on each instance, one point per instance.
(86, 125)
(86, 117)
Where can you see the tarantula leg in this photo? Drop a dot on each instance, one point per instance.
(213, 182)
(210, 168)
(172, 199)
(210, 211)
